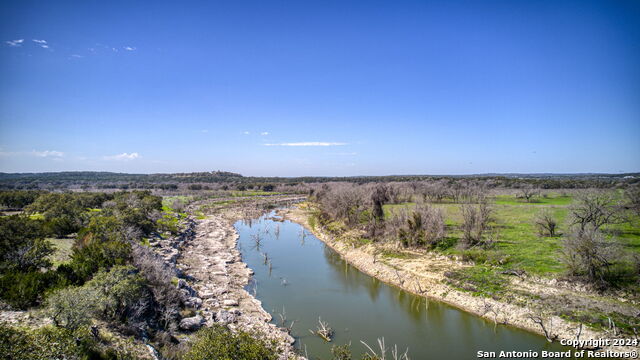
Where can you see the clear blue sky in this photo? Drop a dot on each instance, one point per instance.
(320, 88)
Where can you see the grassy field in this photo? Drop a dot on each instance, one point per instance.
(518, 245)
(62, 252)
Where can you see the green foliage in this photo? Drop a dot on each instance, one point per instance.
(73, 307)
(63, 212)
(18, 199)
(136, 210)
(87, 260)
(218, 342)
(118, 294)
(626, 324)
(169, 223)
(101, 228)
(25, 289)
(22, 244)
(341, 352)
(45, 343)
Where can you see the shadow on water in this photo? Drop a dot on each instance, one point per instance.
(302, 280)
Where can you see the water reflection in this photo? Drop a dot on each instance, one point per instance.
(306, 279)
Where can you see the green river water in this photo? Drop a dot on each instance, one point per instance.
(309, 280)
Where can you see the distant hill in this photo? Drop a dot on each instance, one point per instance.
(168, 180)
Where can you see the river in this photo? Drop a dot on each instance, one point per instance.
(304, 280)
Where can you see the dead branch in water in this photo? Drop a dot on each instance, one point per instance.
(418, 287)
(400, 279)
(257, 239)
(324, 331)
(547, 333)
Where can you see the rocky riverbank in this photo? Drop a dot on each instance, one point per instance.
(214, 277)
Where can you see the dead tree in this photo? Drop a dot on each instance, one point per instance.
(594, 210)
(475, 222)
(546, 223)
(528, 192)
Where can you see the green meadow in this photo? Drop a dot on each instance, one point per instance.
(517, 244)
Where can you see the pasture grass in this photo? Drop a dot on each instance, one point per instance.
(518, 245)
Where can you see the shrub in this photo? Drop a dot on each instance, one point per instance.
(423, 226)
(17, 199)
(72, 307)
(87, 260)
(341, 352)
(588, 253)
(475, 222)
(546, 223)
(218, 342)
(22, 244)
(45, 343)
(119, 294)
(25, 289)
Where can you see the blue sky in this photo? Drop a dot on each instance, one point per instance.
(291, 88)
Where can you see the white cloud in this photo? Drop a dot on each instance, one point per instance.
(47, 153)
(76, 56)
(264, 133)
(129, 48)
(41, 43)
(246, 133)
(17, 42)
(309, 143)
(123, 157)
(204, 131)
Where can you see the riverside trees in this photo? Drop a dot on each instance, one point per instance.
(576, 230)
(110, 275)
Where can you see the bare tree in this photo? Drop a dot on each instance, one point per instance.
(528, 192)
(422, 226)
(594, 210)
(632, 199)
(475, 222)
(546, 223)
(586, 252)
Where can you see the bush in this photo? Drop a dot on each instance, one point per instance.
(25, 289)
(45, 343)
(475, 222)
(423, 226)
(87, 260)
(22, 245)
(119, 294)
(587, 253)
(17, 199)
(72, 307)
(218, 342)
(546, 223)
(342, 352)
